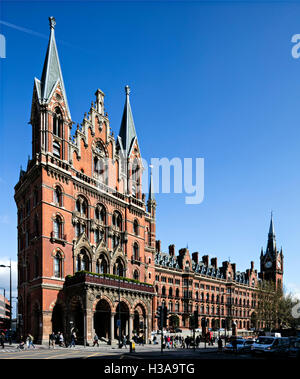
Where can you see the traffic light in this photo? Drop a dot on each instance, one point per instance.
(203, 323)
(159, 316)
(164, 316)
(196, 320)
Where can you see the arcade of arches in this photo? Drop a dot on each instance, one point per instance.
(98, 311)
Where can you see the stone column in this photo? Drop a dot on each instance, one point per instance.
(89, 326)
(131, 317)
(112, 326)
(149, 327)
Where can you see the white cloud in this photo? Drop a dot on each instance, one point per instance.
(294, 289)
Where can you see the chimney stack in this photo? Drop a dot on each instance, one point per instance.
(205, 259)
(213, 262)
(172, 250)
(158, 246)
(195, 256)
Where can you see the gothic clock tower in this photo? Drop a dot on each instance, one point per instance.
(271, 261)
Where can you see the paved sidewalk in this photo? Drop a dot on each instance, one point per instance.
(114, 347)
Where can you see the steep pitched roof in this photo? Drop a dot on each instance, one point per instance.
(127, 133)
(51, 74)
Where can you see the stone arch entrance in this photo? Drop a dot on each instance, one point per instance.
(139, 320)
(57, 318)
(122, 312)
(102, 318)
(77, 319)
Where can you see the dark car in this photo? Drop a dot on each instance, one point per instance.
(294, 350)
(177, 330)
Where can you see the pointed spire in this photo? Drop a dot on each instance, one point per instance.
(127, 132)
(151, 193)
(271, 229)
(271, 237)
(52, 71)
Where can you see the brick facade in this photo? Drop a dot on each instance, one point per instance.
(83, 222)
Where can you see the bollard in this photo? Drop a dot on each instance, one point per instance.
(132, 347)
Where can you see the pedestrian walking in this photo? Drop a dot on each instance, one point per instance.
(2, 339)
(96, 340)
(61, 340)
(52, 340)
(29, 341)
(73, 339)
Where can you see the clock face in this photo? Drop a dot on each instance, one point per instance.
(268, 264)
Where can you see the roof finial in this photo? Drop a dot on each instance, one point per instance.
(127, 90)
(52, 22)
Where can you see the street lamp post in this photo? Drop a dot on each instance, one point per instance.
(10, 297)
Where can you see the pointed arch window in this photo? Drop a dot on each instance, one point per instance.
(58, 265)
(119, 268)
(100, 214)
(117, 221)
(57, 123)
(136, 275)
(57, 227)
(82, 206)
(136, 252)
(102, 265)
(57, 196)
(82, 261)
(136, 227)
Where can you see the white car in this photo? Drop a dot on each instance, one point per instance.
(270, 345)
(239, 346)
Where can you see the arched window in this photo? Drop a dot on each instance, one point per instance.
(102, 265)
(100, 214)
(163, 291)
(136, 252)
(170, 291)
(82, 206)
(82, 261)
(57, 227)
(99, 167)
(57, 123)
(177, 292)
(117, 220)
(136, 275)
(136, 227)
(58, 265)
(58, 196)
(119, 268)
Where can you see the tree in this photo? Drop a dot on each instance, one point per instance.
(274, 307)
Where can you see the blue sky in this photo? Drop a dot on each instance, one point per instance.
(208, 79)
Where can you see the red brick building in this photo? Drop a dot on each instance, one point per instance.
(83, 223)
